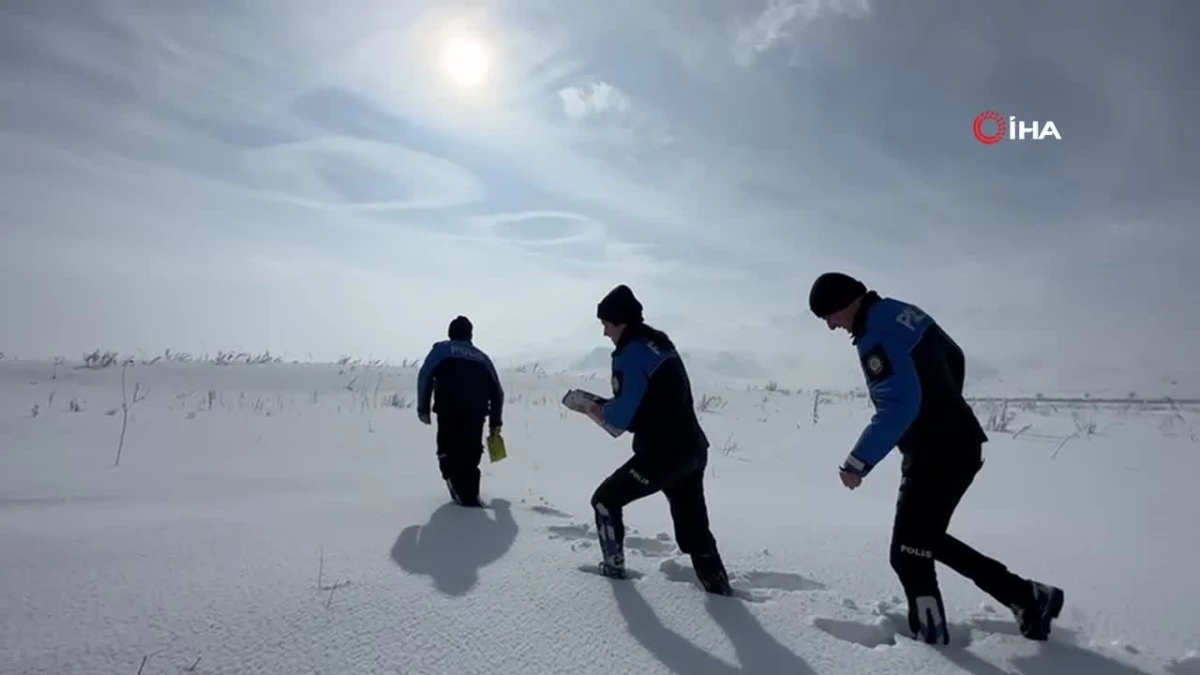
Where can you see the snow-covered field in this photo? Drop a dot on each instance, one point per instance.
(287, 519)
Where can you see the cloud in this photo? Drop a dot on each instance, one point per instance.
(780, 20)
(301, 176)
(354, 174)
(598, 98)
(565, 228)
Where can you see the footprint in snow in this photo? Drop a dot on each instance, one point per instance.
(753, 586)
(1066, 651)
(890, 621)
(658, 547)
(570, 532)
(549, 511)
(877, 632)
(884, 630)
(544, 508)
(779, 581)
(583, 535)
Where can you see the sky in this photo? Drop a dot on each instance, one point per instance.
(319, 179)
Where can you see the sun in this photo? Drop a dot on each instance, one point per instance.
(465, 61)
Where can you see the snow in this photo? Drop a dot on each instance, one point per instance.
(283, 519)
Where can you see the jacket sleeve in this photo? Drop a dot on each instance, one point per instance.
(426, 376)
(895, 389)
(632, 368)
(495, 396)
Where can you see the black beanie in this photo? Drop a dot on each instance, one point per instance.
(833, 292)
(619, 307)
(460, 328)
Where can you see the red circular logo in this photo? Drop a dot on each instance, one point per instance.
(993, 138)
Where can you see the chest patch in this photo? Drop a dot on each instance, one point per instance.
(876, 365)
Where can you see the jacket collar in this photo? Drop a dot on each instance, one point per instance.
(632, 332)
(858, 327)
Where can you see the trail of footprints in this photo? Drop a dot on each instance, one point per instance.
(887, 624)
(753, 586)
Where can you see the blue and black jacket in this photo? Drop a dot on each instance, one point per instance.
(915, 375)
(652, 397)
(461, 381)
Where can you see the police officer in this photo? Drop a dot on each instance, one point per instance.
(915, 374)
(652, 398)
(465, 391)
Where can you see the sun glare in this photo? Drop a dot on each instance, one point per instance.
(465, 61)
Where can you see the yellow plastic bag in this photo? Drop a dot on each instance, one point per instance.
(496, 448)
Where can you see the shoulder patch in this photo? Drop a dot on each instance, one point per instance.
(876, 365)
(616, 384)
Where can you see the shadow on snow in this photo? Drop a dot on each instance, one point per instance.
(758, 652)
(455, 544)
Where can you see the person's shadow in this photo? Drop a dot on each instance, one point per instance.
(1053, 658)
(455, 543)
(1060, 655)
(757, 651)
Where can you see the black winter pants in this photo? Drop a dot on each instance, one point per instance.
(459, 452)
(682, 483)
(929, 493)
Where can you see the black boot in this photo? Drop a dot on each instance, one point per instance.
(927, 620)
(613, 569)
(461, 498)
(1035, 615)
(711, 573)
(610, 531)
(470, 489)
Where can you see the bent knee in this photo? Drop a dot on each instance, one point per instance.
(602, 500)
(610, 494)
